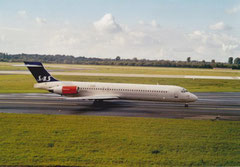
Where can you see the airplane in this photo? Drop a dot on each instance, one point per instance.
(98, 91)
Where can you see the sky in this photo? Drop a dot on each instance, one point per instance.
(146, 29)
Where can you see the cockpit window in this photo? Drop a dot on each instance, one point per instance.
(184, 91)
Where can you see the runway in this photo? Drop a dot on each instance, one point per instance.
(126, 75)
(214, 106)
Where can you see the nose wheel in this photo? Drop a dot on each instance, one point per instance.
(186, 105)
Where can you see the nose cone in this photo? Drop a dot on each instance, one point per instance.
(193, 97)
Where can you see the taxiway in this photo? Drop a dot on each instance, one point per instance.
(125, 75)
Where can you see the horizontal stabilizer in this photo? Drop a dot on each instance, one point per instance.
(26, 65)
(32, 65)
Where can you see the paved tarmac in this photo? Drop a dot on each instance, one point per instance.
(214, 106)
(126, 75)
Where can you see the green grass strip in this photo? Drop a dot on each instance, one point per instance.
(116, 141)
(24, 83)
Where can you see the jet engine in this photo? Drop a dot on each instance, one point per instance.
(65, 90)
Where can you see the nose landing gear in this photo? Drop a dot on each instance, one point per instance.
(186, 105)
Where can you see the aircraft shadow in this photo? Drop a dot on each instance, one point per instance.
(101, 107)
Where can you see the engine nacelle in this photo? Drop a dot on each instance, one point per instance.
(65, 90)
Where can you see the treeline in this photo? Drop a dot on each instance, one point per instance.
(63, 59)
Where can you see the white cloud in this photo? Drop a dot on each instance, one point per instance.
(22, 13)
(214, 45)
(233, 10)
(141, 41)
(107, 24)
(229, 47)
(199, 36)
(2, 38)
(219, 26)
(40, 20)
(10, 29)
(63, 38)
(141, 22)
(154, 23)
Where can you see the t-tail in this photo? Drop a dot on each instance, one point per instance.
(39, 72)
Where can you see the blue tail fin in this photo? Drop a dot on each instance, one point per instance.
(39, 72)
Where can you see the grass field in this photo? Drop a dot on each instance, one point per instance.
(12, 67)
(159, 71)
(24, 83)
(116, 141)
(129, 69)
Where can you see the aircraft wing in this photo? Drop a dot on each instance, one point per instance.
(102, 97)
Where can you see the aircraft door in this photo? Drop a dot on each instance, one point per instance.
(175, 95)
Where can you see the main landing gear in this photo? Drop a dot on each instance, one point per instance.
(186, 105)
(98, 102)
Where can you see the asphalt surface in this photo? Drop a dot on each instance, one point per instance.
(126, 75)
(214, 106)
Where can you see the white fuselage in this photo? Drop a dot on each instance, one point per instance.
(164, 93)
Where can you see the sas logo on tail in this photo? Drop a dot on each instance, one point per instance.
(44, 78)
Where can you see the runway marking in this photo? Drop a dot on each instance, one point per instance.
(216, 100)
(38, 103)
(167, 107)
(34, 98)
(219, 96)
(227, 109)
